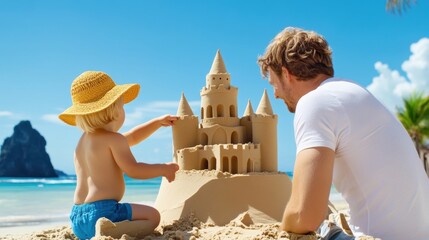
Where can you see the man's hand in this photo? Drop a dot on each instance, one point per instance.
(170, 171)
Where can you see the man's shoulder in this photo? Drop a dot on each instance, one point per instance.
(317, 99)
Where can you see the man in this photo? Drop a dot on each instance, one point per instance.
(345, 136)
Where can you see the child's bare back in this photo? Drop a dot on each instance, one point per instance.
(99, 176)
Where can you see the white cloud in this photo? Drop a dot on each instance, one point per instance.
(390, 87)
(53, 118)
(417, 66)
(6, 114)
(155, 109)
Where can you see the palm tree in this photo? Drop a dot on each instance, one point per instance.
(398, 5)
(415, 118)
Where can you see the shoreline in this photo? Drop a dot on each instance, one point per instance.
(42, 229)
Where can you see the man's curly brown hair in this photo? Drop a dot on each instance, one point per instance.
(305, 54)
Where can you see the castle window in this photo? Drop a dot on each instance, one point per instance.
(202, 113)
(204, 164)
(212, 165)
(232, 111)
(234, 165)
(220, 110)
(209, 111)
(204, 139)
(225, 164)
(250, 166)
(234, 137)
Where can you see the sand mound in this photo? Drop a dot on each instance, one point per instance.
(218, 197)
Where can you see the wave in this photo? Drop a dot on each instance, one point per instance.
(25, 220)
(39, 180)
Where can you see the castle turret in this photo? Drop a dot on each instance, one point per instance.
(264, 132)
(218, 97)
(185, 129)
(184, 108)
(249, 109)
(264, 107)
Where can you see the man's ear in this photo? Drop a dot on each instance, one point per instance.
(286, 74)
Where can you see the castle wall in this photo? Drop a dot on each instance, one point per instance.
(264, 132)
(218, 134)
(233, 158)
(224, 121)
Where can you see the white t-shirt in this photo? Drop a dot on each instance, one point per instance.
(376, 167)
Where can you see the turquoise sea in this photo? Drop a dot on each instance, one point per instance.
(34, 201)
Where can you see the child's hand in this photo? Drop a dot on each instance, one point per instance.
(167, 120)
(171, 169)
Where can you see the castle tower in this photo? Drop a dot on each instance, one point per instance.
(264, 132)
(218, 97)
(185, 129)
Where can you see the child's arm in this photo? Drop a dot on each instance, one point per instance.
(124, 158)
(143, 131)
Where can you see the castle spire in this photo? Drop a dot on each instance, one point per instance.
(218, 65)
(249, 109)
(184, 108)
(264, 107)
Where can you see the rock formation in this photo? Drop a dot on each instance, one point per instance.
(24, 154)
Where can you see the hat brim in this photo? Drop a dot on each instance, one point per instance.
(128, 91)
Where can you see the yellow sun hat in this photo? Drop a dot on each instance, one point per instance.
(94, 91)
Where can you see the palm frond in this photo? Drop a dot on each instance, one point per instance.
(399, 5)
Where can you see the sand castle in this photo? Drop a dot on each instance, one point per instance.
(228, 165)
(222, 141)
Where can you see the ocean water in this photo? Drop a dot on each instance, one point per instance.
(34, 201)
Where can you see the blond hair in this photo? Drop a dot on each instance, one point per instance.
(305, 54)
(92, 121)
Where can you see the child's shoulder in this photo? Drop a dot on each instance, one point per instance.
(103, 136)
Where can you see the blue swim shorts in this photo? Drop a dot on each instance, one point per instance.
(84, 216)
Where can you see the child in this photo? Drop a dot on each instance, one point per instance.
(103, 155)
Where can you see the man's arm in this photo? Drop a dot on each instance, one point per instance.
(143, 131)
(311, 184)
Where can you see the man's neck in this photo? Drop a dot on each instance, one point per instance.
(311, 84)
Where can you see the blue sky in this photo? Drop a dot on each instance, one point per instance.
(168, 47)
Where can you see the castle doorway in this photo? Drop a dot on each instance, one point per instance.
(234, 165)
(204, 164)
(249, 165)
(225, 164)
(234, 137)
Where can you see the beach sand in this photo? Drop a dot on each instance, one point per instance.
(202, 205)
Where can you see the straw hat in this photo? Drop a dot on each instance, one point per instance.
(94, 91)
